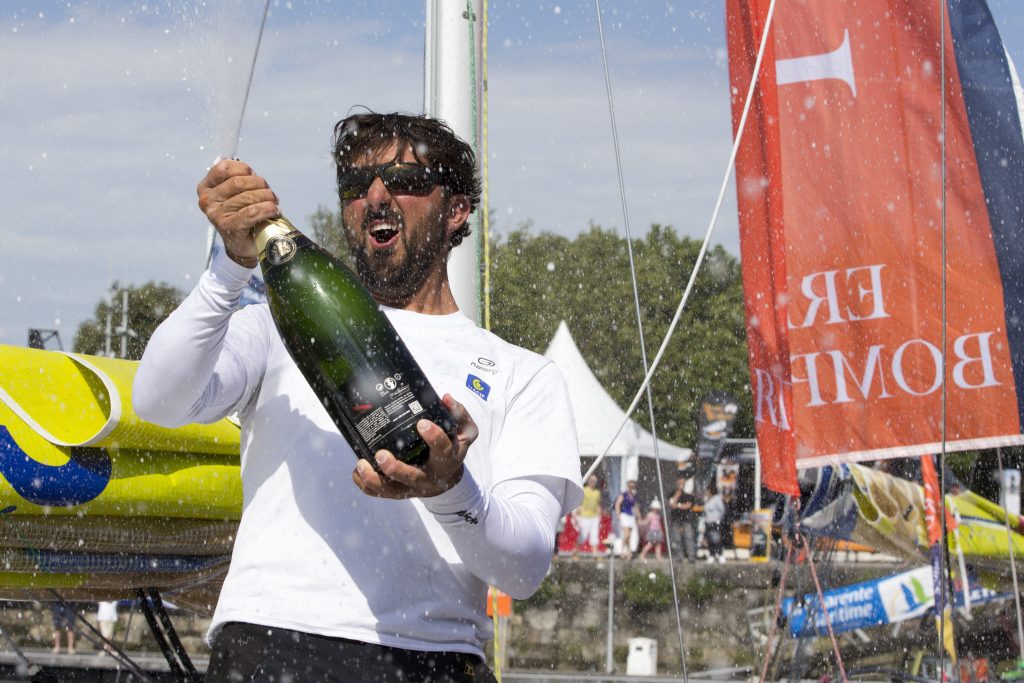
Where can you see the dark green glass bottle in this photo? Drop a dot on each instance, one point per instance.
(346, 347)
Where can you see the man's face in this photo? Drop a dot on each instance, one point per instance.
(397, 240)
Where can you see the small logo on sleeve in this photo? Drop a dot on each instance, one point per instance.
(478, 386)
(465, 514)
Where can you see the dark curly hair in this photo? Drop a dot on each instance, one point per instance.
(432, 142)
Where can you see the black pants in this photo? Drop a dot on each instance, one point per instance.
(713, 535)
(259, 654)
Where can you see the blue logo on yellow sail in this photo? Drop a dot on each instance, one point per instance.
(78, 481)
(478, 386)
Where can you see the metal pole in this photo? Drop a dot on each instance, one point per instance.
(124, 323)
(609, 663)
(453, 89)
(757, 477)
(110, 304)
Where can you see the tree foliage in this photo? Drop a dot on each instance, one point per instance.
(539, 279)
(326, 229)
(148, 305)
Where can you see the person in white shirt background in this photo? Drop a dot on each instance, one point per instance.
(714, 513)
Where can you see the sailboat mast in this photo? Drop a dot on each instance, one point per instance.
(453, 92)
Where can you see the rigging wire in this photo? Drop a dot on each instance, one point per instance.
(470, 16)
(941, 598)
(774, 625)
(821, 601)
(707, 239)
(480, 108)
(640, 329)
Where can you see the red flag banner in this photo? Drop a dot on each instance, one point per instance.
(844, 205)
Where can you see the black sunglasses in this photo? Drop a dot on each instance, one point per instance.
(398, 177)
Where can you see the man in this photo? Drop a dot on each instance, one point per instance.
(63, 622)
(327, 583)
(683, 516)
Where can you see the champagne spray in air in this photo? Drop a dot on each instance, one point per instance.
(227, 138)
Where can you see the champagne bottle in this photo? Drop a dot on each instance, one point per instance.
(346, 347)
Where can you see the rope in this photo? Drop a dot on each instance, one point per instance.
(470, 16)
(824, 607)
(704, 246)
(640, 329)
(778, 610)
(485, 238)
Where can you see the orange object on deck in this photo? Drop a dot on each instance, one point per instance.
(504, 603)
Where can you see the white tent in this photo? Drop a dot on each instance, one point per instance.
(598, 416)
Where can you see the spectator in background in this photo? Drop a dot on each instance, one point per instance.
(624, 508)
(729, 519)
(655, 531)
(588, 517)
(63, 622)
(714, 513)
(682, 514)
(106, 615)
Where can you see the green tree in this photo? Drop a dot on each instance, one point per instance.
(539, 279)
(148, 305)
(325, 228)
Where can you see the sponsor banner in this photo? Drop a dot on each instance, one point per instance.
(715, 418)
(873, 603)
(727, 477)
(857, 214)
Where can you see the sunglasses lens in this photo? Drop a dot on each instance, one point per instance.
(356, 182)
(409, 178)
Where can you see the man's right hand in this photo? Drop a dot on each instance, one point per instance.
(235, 200)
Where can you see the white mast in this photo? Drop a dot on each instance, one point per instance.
(453, 92)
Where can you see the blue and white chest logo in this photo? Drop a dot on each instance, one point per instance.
(478, 386)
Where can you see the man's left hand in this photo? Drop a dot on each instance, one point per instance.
(441, 471)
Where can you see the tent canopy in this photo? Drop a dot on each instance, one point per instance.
(597, 414)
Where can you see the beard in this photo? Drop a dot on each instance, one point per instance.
(394, 275)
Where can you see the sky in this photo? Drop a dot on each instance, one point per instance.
(112, 112)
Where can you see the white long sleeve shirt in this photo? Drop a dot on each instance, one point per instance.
(313, 553)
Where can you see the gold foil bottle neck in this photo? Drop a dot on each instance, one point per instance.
(267, 230)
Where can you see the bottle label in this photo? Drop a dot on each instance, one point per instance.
(398, 408)
(280, 249)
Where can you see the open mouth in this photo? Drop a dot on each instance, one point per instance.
(383, 235)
